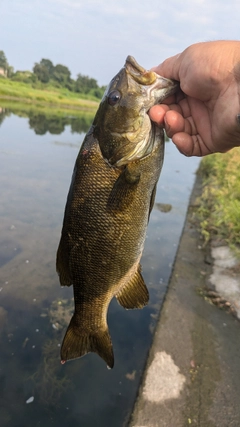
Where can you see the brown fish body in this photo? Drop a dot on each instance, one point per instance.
(103, 236)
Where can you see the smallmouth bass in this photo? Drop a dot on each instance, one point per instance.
(108, 206)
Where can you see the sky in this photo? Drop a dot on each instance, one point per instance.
(94, 37)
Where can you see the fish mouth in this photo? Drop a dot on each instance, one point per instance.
(161, 86)
(138, 73)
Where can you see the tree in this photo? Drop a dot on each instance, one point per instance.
(3, 60)
(47, 64)
(61, 73)
(84, 84)
(45, 70)
(10, 71)
(41, 72)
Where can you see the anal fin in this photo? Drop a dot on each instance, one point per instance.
(135, 293)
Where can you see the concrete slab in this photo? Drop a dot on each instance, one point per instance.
(192, 377)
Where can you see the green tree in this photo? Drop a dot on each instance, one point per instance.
(3, 60)
(98, 93)
(41, 72)
(61, 74)
(47, 64)
(10, 71)
(84, 84)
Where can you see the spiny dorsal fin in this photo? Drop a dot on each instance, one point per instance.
(135, 293)
(77, 344)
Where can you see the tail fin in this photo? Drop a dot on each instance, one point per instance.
(76, 344)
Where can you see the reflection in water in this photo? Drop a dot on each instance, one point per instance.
(35, 389)
(163, 207)
(3, 113)
(54, 124)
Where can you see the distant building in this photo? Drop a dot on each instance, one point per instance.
(3, 72)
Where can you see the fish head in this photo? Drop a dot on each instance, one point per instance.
(122, 126)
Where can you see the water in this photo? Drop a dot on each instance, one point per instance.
(35, 389)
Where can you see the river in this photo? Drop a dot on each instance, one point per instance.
(37, 156)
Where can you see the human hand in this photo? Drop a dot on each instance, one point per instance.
(202, 117)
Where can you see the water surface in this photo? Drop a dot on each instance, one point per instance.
(36, 163)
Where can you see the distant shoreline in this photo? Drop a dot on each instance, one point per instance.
(50, 97)
(85, 107)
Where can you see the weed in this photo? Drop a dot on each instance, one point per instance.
(219, 203)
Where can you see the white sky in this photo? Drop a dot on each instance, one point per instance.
(94, 37)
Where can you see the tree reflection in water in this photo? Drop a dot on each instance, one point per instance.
(55, 124)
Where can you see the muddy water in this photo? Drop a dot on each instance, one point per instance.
(36, 162)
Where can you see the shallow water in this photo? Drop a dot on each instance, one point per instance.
(35, 389)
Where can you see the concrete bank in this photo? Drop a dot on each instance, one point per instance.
(192, 376)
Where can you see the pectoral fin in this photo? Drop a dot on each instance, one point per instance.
(135, 293)
(123, 190)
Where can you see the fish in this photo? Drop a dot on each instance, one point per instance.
(108, 206)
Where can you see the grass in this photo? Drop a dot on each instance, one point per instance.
(25, 109)
(219, 203)
(62, 98)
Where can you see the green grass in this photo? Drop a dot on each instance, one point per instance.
(63, 98)
(219, 204)
(25, 109)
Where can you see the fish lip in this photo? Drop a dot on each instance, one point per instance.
(138, 73)
(150, 78)
(132, 65)
(163, 88)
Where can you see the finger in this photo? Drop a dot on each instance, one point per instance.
(157, 113)
(169, 68)
(175, 123)
(190, 145)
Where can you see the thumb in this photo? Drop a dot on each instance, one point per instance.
(169, 68)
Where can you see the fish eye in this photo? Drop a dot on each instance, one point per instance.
(114, 97)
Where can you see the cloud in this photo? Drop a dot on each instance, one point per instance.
(94, 37)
